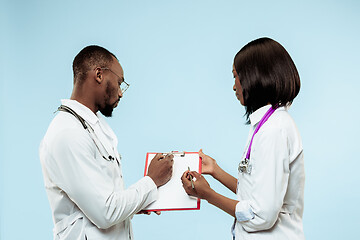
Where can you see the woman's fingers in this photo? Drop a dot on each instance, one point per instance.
(201, 154)
(195, 174)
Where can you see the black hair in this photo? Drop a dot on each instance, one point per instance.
(89, 58)
(267, 75)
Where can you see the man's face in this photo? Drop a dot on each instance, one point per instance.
(114, 76)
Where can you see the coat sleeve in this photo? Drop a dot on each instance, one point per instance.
(74, 169)
(270, 174)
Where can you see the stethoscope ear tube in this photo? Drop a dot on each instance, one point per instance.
(69, 110)
(91, 132)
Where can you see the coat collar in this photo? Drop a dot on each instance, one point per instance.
(256, 116)
(82, 110)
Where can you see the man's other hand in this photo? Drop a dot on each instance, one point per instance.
(148, 212)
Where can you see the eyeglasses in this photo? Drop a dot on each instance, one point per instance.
(123, 85)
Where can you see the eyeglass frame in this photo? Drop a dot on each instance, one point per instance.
(123, 80)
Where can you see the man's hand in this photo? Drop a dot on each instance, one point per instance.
(160, 169)
(148, 212)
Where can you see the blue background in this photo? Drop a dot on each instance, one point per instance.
(177, 56)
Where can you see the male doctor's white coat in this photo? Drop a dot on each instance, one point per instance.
(86, 192)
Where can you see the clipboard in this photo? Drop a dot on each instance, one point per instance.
(172, 195)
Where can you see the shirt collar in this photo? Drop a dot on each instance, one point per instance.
(82, 110)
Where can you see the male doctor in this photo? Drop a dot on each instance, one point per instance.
(80, 161)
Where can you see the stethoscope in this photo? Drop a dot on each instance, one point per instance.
(245, 165)
(91, 132)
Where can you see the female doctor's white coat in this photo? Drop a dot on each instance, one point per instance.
(86, 192)
(271, 195)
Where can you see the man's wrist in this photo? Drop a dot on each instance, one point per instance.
(153, 179)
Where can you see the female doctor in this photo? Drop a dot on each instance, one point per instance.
(270, 186)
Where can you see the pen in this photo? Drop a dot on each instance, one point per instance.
(191, 179)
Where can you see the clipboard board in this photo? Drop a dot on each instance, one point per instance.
(172, 195)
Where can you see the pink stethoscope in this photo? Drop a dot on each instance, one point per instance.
(244, 166)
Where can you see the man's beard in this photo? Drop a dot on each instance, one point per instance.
(109, 108)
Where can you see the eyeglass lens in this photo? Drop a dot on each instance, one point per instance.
(124, 86)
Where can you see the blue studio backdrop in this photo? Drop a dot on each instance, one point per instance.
(177, 57)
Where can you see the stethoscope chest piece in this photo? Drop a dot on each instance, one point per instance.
(245, 166)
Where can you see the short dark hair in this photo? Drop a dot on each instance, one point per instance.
(267, 74)
(88, 58)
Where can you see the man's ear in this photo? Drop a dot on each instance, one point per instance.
(98, 75)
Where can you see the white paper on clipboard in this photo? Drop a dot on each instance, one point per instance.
(172, 195)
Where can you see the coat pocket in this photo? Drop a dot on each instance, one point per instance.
(287, 209)
(71, 227)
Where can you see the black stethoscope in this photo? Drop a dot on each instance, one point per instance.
(90, 131)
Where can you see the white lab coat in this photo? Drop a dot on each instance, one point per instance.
(271, 196)
(86, 192)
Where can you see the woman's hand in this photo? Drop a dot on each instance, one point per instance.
(201, 188)
(208, 164)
